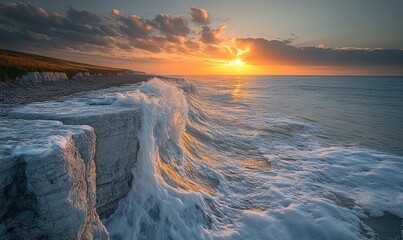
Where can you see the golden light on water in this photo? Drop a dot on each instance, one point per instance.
(237, 89)
(172, 176)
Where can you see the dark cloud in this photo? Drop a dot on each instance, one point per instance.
(199, 16)
(193, 45)
(54, 30)
(175, 39)
(147, 44)
(23, 12)
(134, 26)
(212, 36)
(124, 46)
(274, 52)
(83, 17)
(26, 24)
(107, 30)
(10, 36)
(171, 25)
(156, 44)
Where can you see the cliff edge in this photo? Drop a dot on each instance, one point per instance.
(65, 165)
(47, 181)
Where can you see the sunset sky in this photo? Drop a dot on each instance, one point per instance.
(213, 37)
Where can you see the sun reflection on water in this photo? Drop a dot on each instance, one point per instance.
(237, 87)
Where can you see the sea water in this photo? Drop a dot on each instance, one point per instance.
(265, 158)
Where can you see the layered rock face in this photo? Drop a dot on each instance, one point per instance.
(116, 129)
(47, 181)
(66, 165)
(36, 77)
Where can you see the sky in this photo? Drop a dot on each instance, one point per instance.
(183, 37)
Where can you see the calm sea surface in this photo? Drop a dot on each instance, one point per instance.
(365, 111)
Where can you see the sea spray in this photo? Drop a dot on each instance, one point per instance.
(153, 209)
(211, 166)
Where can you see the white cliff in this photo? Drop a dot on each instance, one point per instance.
(36, 77)
(47, 181)
(116, 128)
(67, 164)
(81, 75)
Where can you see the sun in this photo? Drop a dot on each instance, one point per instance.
(234, 66)
(236, 63)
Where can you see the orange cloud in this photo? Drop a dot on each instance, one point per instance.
(212, 36)
(199, 16)
(281, 53)
(115, 12)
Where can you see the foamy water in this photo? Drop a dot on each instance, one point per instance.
(221, 159)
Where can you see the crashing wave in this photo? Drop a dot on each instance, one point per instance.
(208, 172)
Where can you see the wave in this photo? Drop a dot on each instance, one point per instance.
(159, 205)
(208, 171)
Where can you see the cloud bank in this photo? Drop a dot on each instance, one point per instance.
(274, 52)
(25, 25)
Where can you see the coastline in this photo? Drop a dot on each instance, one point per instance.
(14, 93)
(74, 158)
(99, 135)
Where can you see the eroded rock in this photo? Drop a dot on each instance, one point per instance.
(116, 129)
(47, 181)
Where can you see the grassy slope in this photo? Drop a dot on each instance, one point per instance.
(15, 64)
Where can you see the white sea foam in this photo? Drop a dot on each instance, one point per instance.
(153, 209)
(208, 172)
(208, 169)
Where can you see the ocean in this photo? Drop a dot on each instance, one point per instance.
(266, 157)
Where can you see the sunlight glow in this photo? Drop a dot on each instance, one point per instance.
(236, 63)
(241, 52)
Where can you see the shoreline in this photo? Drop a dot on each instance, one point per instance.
(13, 93)
(108, 138)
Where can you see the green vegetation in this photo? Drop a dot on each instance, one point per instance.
(16, 64)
